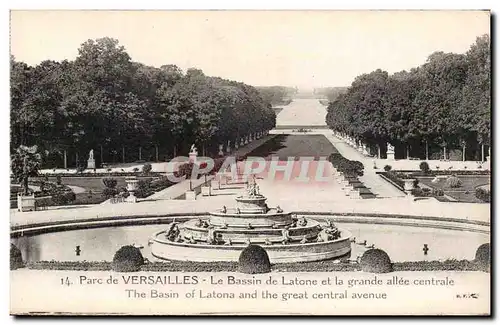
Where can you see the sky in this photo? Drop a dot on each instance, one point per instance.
(305, 49)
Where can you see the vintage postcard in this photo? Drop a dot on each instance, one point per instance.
(250, 162)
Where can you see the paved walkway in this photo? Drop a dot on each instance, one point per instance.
(179, 189)
(284, 196)
(374, 182)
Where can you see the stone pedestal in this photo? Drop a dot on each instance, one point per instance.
(390, 152)
(354, 194)
(192, 157)
(206, 191)
(26, 202)
(215, 184)
(91, 163)
(132, 184)
(190, 195)
(365, 150)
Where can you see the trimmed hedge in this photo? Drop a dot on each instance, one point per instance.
(254, 259)
(424, 167)
(346, 166)
(127, 259)
(16, 258)
(318, 266)
(483, 194)
(146, 168)
(375, 261)
(427, 192)
(483, 257)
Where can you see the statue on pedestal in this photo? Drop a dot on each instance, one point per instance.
(91, 160)
(193, 153)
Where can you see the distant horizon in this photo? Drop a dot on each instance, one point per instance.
(303, 49)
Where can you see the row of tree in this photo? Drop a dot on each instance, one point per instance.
(277, 95)
(103, 99)
(444, 103)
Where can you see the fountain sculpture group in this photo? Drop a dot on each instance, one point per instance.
(223, 234)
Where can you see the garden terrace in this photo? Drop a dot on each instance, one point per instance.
(433, 184)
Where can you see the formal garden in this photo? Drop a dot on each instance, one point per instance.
(444, 185)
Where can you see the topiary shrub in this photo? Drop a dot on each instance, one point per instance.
(387, 168)
(146, 168)
(109, 192)
(109, 182)
(127, 259)
(254, 259)
(375, 261)
(483, 194)
(424, 167)
(16, 258)
(482, 258)
(453, 182)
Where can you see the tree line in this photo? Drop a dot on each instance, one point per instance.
(277, 95)
(441, 105)
(125, 110)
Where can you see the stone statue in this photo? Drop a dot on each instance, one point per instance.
(252, 188)
(285, 236)
(302, 222)
(211, 236)
(91, 154)
(193, 149)
(173, 231)
(390, 148)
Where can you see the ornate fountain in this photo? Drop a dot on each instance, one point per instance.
(223, 234)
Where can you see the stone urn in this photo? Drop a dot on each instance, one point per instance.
(25, 202)
(409, 186)
(132, 185)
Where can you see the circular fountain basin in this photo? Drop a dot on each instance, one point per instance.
(278, 253)
(219, 218)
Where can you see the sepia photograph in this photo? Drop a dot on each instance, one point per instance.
(250, 162)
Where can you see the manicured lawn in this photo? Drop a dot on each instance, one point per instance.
(296, 146)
